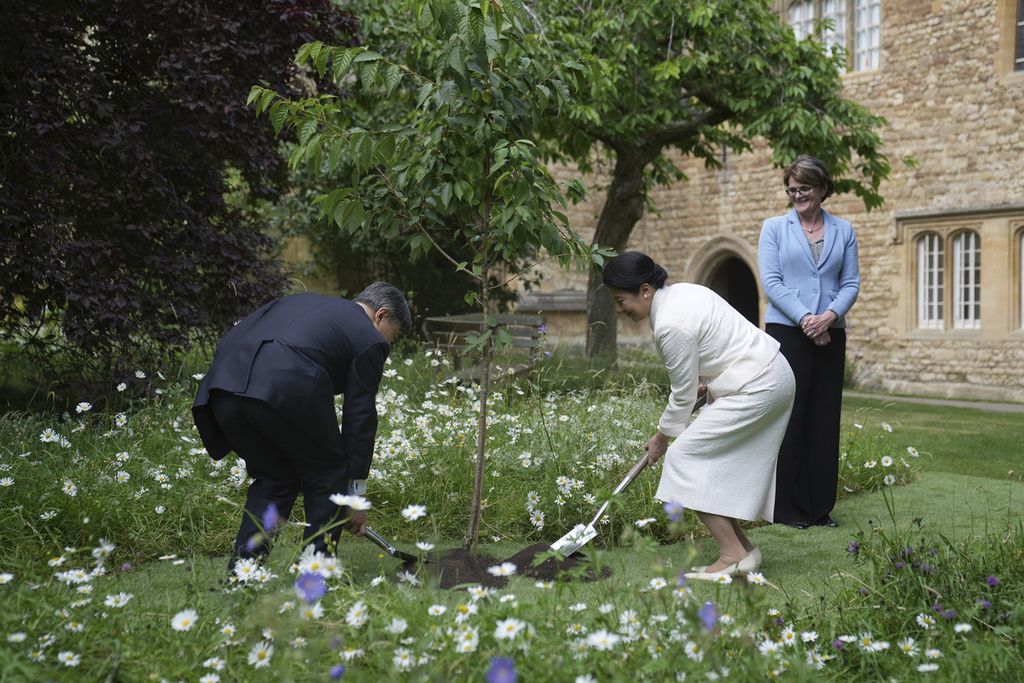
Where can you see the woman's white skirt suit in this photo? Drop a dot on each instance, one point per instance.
(724, 461)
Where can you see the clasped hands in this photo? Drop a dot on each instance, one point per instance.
(816, 326)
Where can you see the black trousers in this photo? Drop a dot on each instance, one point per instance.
(283, 461)
(808, 469)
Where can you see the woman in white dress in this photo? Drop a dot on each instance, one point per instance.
(722, 465)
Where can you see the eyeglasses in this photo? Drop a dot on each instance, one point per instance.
(802, 191)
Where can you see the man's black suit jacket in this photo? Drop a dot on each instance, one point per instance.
(296, 353)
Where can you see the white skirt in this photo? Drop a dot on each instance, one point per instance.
(724, 462)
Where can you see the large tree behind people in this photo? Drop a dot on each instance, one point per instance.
(689, 79)
(125, 138)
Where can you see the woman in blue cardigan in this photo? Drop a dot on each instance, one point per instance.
(811, 276)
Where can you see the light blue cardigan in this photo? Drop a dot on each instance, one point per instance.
(794, 285)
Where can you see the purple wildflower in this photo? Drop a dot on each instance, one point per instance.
(992, 581)
(255, 542)
(927, 568)
(674, 511)
(838, 644)
(906, 552)
(310, 586)
(853, 548)
(950, 614)
(503, 670)
(984, 604)
(271, 517)
(900, 565)
(681, 581)
(126, 566)
(708, 615)
(337, 671)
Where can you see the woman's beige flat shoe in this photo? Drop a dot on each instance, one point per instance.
(750, 563)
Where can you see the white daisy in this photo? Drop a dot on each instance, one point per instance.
(184, 620)
(508, 629)
(414, 512)
(503, 569)
(357, 503)
(260, 654)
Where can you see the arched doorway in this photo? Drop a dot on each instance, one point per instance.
(732, 280)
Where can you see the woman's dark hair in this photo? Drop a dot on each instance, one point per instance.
(809, 171)
(631, 269)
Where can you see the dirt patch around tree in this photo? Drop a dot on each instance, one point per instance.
(460, 567)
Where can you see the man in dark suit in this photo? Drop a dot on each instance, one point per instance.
(269, 396)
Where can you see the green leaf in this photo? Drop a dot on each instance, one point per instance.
(320, 56)
(503, 337)
(278, 115)
(446, 194)
(446, 93)
(384, 149)
(392, 77)
(368, 72)
(254, 92)
(265, 99)
(304, 51)
(367, 56)
(342, 61)
(353, 216)
(306, 130)
(455, 60)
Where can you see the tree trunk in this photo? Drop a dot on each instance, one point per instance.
(476, 506)
(623, 207)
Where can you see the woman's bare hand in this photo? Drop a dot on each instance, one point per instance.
(656, 447)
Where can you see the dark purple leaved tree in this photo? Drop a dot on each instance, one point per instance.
(123, 133)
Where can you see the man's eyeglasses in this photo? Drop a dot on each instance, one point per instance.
(801, 191)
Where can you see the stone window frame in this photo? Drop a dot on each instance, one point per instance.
(949, 278)
(850, 32)
(1018, 274)
(1001, 232)
(1010, 55)
(1019, 55)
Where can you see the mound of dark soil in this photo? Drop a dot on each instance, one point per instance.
(459, 567)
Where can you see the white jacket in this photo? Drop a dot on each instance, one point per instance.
(701, 337)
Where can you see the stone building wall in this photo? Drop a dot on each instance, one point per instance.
(947, 87)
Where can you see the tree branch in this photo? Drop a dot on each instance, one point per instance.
(682, 131)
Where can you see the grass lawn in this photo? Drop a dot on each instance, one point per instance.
(134, 484)
(963, 492)
(957, 440)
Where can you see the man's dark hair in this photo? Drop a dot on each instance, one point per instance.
(380, 295)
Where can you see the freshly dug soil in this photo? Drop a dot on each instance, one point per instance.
(458, 567)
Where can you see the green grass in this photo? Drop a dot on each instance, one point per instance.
(957, 440)
(961, 503)
(800, 563)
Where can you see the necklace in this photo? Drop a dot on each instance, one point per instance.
(813, 228)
